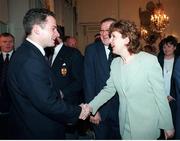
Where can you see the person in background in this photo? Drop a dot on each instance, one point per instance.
(137, 77)
(38, 110)
(97, 37)
(167, 59)
(7, 48)
(67, 66)
(64, 39)
(71, 42)
(97, 60)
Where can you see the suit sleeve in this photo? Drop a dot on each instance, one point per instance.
(156, 81)
(89, 74)
(42, 95)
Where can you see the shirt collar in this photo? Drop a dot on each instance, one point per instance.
(37, 45)
(10, 53)
(57, 48)
(4, 54)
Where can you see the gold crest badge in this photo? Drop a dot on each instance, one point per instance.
(63, 70)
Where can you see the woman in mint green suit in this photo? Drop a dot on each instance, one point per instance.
(137, 77)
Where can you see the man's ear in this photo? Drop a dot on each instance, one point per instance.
(36, 29)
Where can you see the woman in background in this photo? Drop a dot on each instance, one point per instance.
(167, 58)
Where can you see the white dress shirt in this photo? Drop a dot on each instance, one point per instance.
(56, 50)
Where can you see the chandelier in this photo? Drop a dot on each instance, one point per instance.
(144, 33)
(159, 20)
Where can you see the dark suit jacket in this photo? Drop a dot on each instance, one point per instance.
(96, 72)
(4, 94)
(172, 87)
(70, 80)
(161, 62)
(37, 110)
(176, 78)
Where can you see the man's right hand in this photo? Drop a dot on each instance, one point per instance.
(95, 119)
(170, 98)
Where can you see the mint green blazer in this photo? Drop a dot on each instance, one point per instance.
(144, 108)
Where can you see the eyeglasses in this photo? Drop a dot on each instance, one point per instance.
(104, 31)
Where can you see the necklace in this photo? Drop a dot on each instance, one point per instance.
(168, 65)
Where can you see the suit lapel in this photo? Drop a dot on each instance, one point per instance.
(102, 58)
(59, 56)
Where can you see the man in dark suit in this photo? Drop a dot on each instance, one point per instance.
(37, 111)
(7, 49)
(67, 65)
(96, 71)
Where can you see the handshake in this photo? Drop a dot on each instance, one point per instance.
(85, 112)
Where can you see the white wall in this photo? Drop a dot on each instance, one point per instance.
(64, 16)
(17, 9)
(4, 11)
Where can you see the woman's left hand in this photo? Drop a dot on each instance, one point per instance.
(169, 133)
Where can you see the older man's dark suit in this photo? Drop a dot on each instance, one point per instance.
(37, 112)
(97, 71)
(70, 82)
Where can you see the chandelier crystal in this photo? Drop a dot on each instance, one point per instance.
(159, 20)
